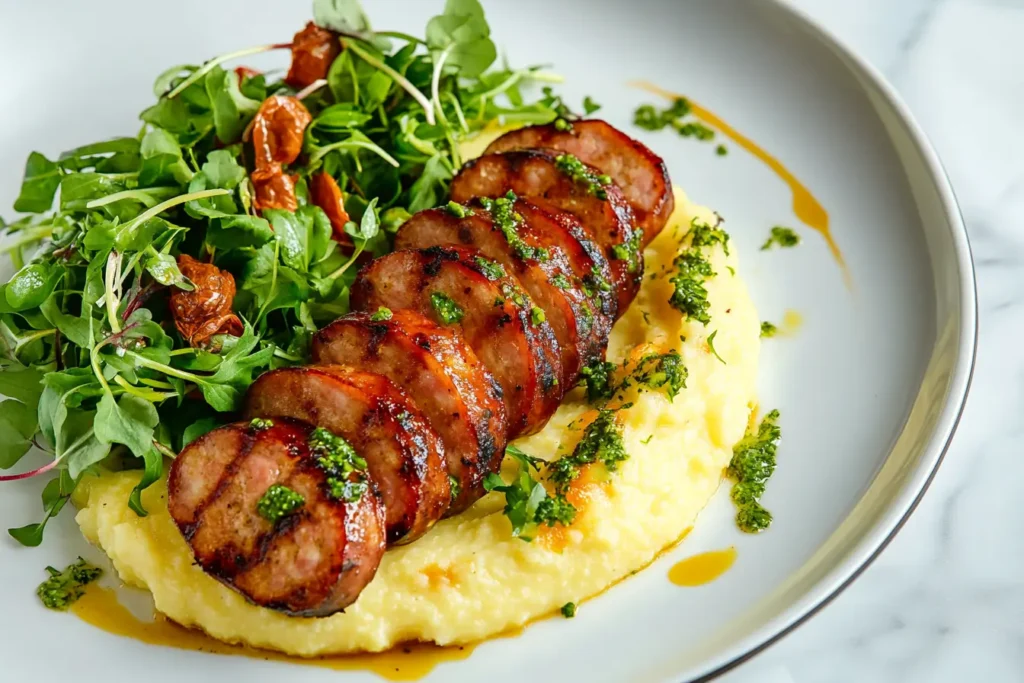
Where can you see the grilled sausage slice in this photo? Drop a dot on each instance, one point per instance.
(639, 172)
(459, 287)
(456, 393)
(313, 562)
(404, 454)
(566, 184)
(534, 253)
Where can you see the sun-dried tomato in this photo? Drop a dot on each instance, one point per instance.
(313, 51)
(325, 193)
(206, 310)
(273, 189)
(278, 129)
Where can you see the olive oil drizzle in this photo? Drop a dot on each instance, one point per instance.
(101, 608)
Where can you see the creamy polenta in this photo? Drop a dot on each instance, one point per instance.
(469, 578)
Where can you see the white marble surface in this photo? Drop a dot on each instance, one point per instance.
(945, 601)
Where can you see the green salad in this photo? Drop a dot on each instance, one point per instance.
(158, 273)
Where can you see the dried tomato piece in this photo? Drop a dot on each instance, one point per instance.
(274, 189)
(206, 310)
(313, 51)
(326, 194)
(278, 130)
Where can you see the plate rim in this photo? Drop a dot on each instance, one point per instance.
(832, 584)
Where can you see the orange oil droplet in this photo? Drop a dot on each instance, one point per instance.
(701, 569)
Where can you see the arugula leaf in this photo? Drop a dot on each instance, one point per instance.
(461, 37)
(154, 468)
(231, 109)
(162, 161)
(341, 15)
(55, 495)
(305, 235)
(223, 170)
(78, 189)
(18, 424)
(129, 421)
(238, 232)
(31, 285)
(199, 428)
(42, 178)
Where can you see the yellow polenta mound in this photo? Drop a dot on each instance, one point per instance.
(469, 578)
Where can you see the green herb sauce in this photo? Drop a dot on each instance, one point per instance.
(507, 220)
(383, 313)
(458, 210)
(569, 610)
(260, 424)
(492, 270)
(345, 469)
(278, 502)
(752, 464)
(781, 236)
(447, 311)
(768, 330)
(596, 184)
(63, 588)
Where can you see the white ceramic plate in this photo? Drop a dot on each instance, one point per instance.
(870, 388)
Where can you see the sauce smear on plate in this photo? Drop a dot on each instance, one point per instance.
(411, 662)
(806, 207)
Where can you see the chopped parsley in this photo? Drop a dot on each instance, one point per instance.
(63, 588)
(492, 270)
(345, 469)
(648, 439)
(768, 330)
(510, 291)
(458, 210)
(595, 282)
(703, 235)
(569, 610)
(383, 313)
(602, 442)
(711, 346)
(584, 175)
(689, 296)
(630, 250)
(447, 311)
(721, 150)
(589, 105)
(527, 502)
(650, 118)
(507, 220)
(259, 424)
(561, 281)
(782, 236)
(278, 502)
(455, 486)
(752, 464)
(537, 315)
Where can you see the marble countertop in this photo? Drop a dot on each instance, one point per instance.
(945, 601)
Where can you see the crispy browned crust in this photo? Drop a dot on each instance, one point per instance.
(549, 276)
(520, 353)
(314, 562)
(442, 375)
(640, 173)
(404, 454)
(533, 174)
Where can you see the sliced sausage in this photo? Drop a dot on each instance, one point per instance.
(639, 172)
(459, 287)
(404, 454)
(534, 253)
(439, 370)
(313, 561)
(540, 174)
